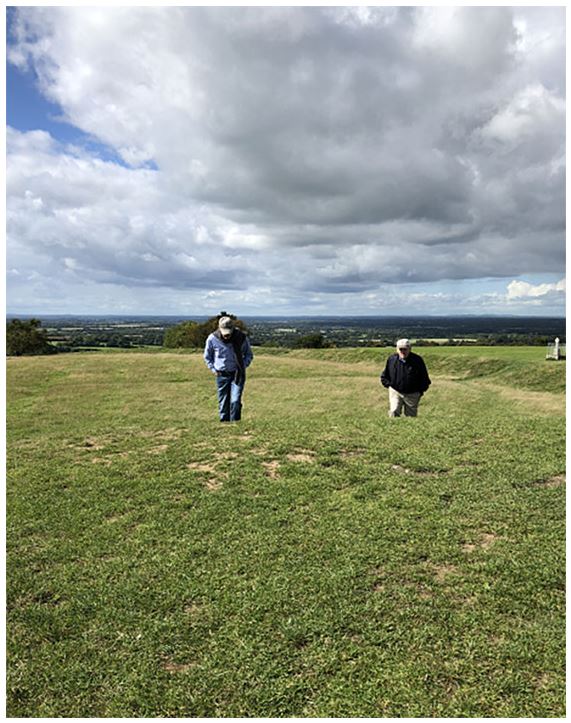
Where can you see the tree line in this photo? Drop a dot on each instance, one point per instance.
(27, 337)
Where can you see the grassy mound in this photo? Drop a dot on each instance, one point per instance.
(519, 367)
(315, 560)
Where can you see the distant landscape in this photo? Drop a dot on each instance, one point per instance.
(78, 332)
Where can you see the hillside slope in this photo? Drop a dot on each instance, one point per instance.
(315, 560)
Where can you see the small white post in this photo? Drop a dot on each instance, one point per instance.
(557, 352)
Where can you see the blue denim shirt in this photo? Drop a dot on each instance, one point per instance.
(220, 357)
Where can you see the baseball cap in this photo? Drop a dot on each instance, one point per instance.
(403, 344)
(226, 324)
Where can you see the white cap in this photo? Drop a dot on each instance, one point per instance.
(403, 344)
(226, 324)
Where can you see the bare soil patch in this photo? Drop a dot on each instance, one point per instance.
(171, 667)
(497, 639)
(486, 540)
(202, 466)
(117, 518)
(302, 455)
(101, 460)
(350, 453)
(261, 451)
(543, 681)
(213, 484)
(272, 468)
(556, 481)
(158, 450)
(425, 593)
(380, 578)
(443, 572)
(168, 435)
(91, 443)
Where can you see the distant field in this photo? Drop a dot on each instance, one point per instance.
(316, 560)
(443, 339)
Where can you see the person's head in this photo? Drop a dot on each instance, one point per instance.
(226, 327)
(403, 348)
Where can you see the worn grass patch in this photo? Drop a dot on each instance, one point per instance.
(318, 559)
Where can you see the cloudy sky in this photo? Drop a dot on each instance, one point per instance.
(286, 160)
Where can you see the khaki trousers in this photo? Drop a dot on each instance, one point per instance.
(397, 401)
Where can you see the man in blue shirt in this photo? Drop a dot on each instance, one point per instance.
(227, 354)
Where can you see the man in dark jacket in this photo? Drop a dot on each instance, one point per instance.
(406, 378)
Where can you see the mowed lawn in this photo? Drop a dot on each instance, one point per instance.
(318, 559)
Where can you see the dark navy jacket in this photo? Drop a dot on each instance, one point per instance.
(407, 376)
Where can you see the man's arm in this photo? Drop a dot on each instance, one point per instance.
(209, 355)
(247, 353)
(386, 375)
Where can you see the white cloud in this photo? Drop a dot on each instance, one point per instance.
(479, 40)
(303, 150)
(524, 290)
(533, 116)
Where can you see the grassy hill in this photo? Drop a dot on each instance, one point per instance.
(318, 559)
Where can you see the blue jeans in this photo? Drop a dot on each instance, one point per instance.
(229, 397)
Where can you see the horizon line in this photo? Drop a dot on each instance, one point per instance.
(287, 315)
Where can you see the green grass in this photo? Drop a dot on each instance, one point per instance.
(316, 560)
